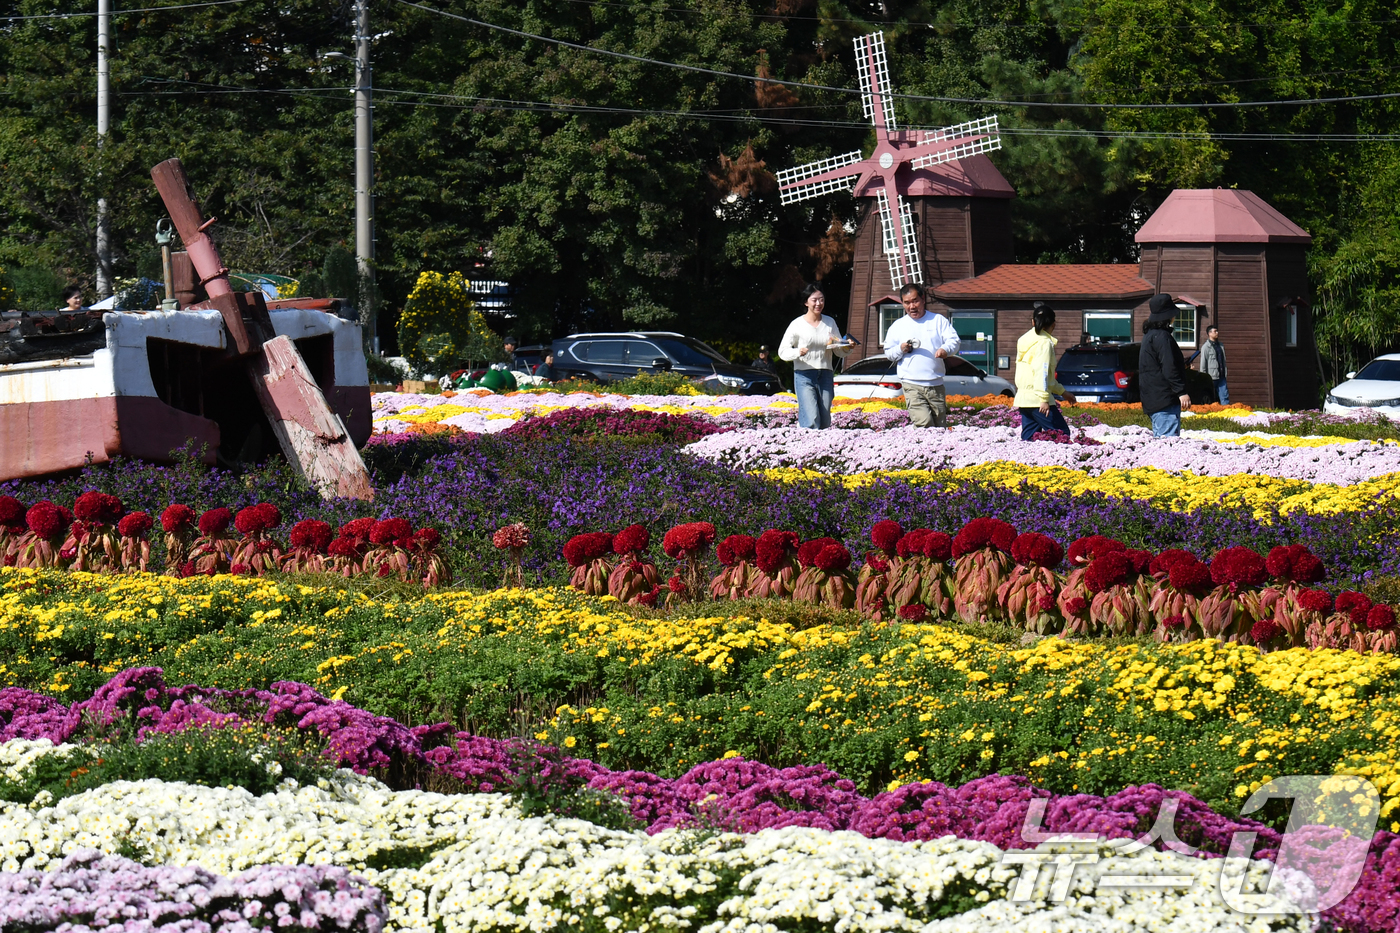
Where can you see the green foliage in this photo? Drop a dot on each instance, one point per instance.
(254, 757)
(543, 784)
(36, 288)
(440, 328)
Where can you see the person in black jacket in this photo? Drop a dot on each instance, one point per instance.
(1162, 370)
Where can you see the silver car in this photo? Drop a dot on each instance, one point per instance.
(1376, 388)
(875, 377)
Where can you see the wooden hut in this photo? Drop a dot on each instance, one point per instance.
(1245, 264)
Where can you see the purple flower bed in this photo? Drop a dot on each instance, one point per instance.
(562, 486)
(105, 892)
(736, 794)
(607, 422)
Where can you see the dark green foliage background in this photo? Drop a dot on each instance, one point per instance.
(613, 216)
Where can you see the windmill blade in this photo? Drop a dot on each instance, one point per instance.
(958, 142)
(906, 263)
(817, 178)
(873, 67)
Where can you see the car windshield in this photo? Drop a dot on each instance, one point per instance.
(690, 352)
(1381, 371)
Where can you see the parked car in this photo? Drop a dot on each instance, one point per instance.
(1108, 372)
(875, 377)
(608, 357)
(1375, 387)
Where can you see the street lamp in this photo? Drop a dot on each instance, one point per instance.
(364, 167)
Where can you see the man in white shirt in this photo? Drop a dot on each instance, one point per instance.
(919, 341)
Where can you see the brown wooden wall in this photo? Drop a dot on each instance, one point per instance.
(959, 237)
(1244, 286)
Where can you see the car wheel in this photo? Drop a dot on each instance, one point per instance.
(1007, 393)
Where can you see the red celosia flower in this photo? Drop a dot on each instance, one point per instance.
(389, 530)
(257, 518)
(1142, 560)
(1076, 605)
(773, 549)
(631, 540)
(135, 525)
(1111, 569)
(885, 535)
(511, 536)
(359, 528)
(1294, 563)
(938, 546)
(1357, 605)
(187, 569)
(427, 538)
(344, 547)
(215, 521)
(1162, 563)
(736, 548)
(688, 540)
(833, 558)
(238, 569)
(1238, 566)
(587, 547)
(1037, 550)
(11, 512)
(1264, 631)
(1083, 550)
(1315, 601)
(807, 553)
(1171, 623)
(912, 543)
(47, 520)
(1046, 603)
(649, 598)
(1189, 575)
(177, 519)
(98, 508)
(914, 612)
(1380, 617)
(983, 533)
(877, 562)
(311, 534)
(676, 584)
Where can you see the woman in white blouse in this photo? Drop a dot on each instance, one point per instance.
(810, 345)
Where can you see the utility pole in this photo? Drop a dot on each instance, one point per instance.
(104, 108)
(364, 172)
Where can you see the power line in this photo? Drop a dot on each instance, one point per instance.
(914, 97)
(149, 9)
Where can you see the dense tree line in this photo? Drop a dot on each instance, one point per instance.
(613, 192)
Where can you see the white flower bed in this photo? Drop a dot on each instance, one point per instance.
(485, 867)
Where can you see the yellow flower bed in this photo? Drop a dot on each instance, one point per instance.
(1185, 491)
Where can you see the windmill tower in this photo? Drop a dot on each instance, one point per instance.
(939, 207)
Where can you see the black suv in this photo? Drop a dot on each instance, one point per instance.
(1108, 372)
(609, 357)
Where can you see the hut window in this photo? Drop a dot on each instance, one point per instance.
(889, 313)
(1290, 326)
(1109, 326)
(1184, 329)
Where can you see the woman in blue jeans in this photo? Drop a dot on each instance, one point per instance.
(810, 343)
(1036, 387)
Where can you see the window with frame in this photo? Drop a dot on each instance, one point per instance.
(1184, 327)
(889, 313)
(1290, 326)
(1109, 326)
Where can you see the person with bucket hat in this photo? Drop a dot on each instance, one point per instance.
(1162, 369)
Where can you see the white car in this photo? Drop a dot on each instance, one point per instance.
(875, 377)
(1376, 387)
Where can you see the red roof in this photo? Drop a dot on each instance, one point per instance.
(1108, 281)
(1218, 215)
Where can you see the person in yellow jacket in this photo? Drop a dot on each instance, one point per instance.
(1035, 376)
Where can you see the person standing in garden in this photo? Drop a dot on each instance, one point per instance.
(810, 343)
(919, 342)
(1213, 363)
(1162, 370)
(1036, 387)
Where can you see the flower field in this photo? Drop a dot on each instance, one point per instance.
(611, 662)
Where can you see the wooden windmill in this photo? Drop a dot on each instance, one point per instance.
(887, 173)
